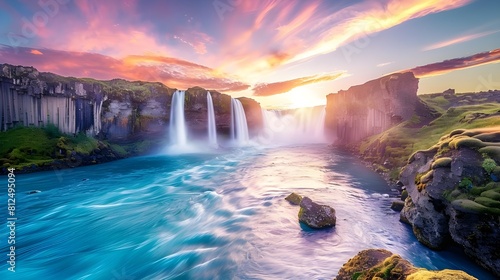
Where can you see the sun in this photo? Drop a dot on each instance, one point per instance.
(302, 97)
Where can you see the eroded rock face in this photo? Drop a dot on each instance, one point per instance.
(451, 196)
(371, 108)
(315, 215)
(383, 264)
(114, 110)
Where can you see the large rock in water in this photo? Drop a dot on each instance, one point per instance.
(383, 264)
(315, 215)
(453, 198)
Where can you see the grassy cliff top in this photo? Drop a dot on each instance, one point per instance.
(392, 148)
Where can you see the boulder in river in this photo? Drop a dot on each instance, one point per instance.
(315, 215)
(397, 205)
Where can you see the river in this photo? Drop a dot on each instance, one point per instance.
(208, 216)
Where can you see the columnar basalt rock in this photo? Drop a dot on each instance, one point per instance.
(117, 109)
(371, 108)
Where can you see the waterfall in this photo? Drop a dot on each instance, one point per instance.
(303, 125)
(239, 127)
(212, 131)
(177, 129)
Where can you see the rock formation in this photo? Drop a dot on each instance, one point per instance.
(315, 215)
(454, 196)
(371, 108)
(382, 264)
(294, 199)
(117, 110)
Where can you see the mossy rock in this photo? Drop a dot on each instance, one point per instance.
(294, 199)
(469, 206)
(445, 274)
(429, 152)
(442, 162)
(493, 185)
(457, 132)
(491, 151)
(489, 137)
(488, 202)
(492, 194)
(477, 191)
(397, 205)
(404, 195)
(427, 177)
(466, 142)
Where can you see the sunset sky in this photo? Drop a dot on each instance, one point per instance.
(281, 53)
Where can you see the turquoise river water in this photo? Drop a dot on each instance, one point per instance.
(207, 216)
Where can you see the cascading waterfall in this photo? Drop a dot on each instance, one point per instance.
(212, 131)
(239, 127)
(177, 129)
(303, 125)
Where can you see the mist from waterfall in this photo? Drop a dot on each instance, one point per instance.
(302, 125)
(177, 128)
(239, 127)
(212, 131)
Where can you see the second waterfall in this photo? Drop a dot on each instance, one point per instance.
(239, 127)
(212, 131)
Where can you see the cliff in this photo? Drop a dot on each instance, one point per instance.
(371, 108)
(115, 110)
(454, 194)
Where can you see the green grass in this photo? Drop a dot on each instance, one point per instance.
(25, 146)
(399, 142)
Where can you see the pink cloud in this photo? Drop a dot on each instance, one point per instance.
(172, 72)
(446, 66)
(459, 40)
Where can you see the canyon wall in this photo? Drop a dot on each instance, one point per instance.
(116, 110)
(370, 108)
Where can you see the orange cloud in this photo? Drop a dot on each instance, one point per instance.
(172, 72)
(301, 30)
(459, 40)
(446, 66)
(266, 89)
(36, 52)
(362, 20)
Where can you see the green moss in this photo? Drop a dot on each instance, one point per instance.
(470, 206)
(489, 165)
(489, 136)
(488, 202)
(492, 194)
(356, 275)
(404, 195)
(84, 145)
(456, 132)
(404, 141)
(442, 162)
(445, 274)
(491, 151)
(119, 150)
(465, 183)
(466, 142)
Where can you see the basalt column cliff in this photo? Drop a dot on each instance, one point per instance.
(371, 108)
(116, 110)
